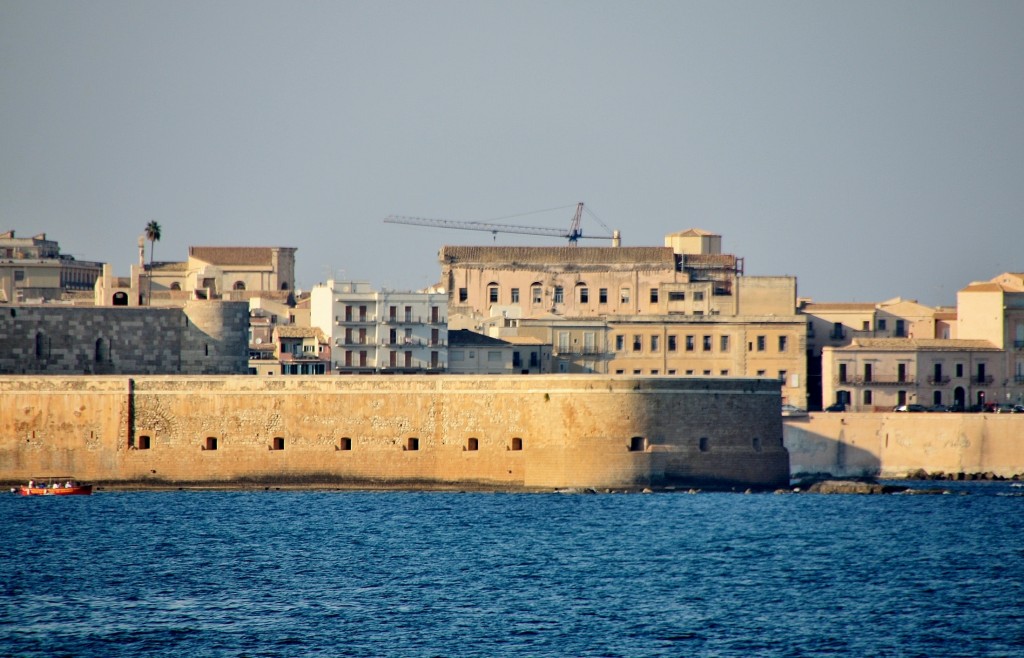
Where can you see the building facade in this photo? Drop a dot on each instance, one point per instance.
(32, 270)
(376, 331)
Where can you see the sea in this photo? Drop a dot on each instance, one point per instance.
(371, 573)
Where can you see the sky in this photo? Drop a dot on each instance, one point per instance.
(872, 149)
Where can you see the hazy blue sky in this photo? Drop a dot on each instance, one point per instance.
(872, 149)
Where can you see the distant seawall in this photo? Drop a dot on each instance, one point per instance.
(538, 431)
(894, 444)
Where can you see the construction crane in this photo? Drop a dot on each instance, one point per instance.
(573, 234)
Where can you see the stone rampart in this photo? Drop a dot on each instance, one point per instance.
(895, 444)
(539, 431)
(203, 338)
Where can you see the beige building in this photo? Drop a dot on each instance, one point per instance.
(32, 270)
(972, 357)
(682, 309)
(225, 273)
(380, 331)
(878, 374)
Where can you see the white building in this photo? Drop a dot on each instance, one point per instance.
(380, 331)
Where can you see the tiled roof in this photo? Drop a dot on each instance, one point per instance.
(291, 331)
(457, 337)
(167, 266)
(694, 233)
(987, 286)
(638, 257)
(232, 255)
(821, 307)
(921, 345)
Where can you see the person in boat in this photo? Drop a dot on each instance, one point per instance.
(67, 485)
(30, 483)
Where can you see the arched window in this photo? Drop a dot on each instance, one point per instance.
(239, 285)
(175, 286)
(284, 285)
(120, 299)
(582, 293)
(492, 292)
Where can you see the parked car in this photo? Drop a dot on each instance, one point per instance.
(838, 406)
(1018, 408)
(939, 408)
(913, 408)
(790, 410)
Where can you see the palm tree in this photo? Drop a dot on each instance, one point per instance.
(153, 235)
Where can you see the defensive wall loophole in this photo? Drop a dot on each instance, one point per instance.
(278, 443)
(210, 443)
(472, 444)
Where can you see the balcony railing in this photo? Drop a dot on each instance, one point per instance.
(938, 381)
(982, 379)
(412, 319)
(1018, 379)
(875, 380)
(359, 319)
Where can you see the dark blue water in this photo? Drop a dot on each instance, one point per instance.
(446, 574)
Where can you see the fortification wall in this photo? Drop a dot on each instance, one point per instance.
(206, 337)
(894, 444)
(544, 431)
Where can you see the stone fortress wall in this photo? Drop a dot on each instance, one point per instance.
(204, 337)
(893, 445)
(514, 432)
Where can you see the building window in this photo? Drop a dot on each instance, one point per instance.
(345, 443)
(602, 296)
(494, 356)
(761, 341)
(655, 343)
(672, 343)
(724, 373)
(584, 296)
(559, 295)
(723, 344)
(412, 443)
(515, 295)
(211, 443)
(620, 342)
(278, 443)
(144, 442)
(517, 443)
(463, 294)
(492, 293)
(867, 397)
(239, 285)
(842, 373)
(901, 329)
(866, 326)
(637, 343)
(703, 444)
(782, 376)
(563, 342)
(637, 444)
(706, 343)
(624, 295)
(654, 295)
(783, 343)
(881, 324)
(677, 296)
(959, 370)
(689, 343)
(535, 294)
(472, 444)
(698, 296)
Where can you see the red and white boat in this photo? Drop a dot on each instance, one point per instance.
(55, 486)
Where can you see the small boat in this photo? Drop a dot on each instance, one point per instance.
(55, 486)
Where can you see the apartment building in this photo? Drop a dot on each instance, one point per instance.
(32, 270)
(379, 331)
(974, 356)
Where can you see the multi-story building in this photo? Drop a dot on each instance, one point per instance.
(841, 324)
(227, 273)
(32, 270)
(878, 374)
(378, 331)
(682, 309)
(971, 358)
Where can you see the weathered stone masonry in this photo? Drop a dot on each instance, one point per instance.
(500, 431)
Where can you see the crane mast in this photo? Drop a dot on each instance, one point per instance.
(573, 234)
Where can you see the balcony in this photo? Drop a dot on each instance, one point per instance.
(355, 342)
(411, 319)
(1018, 344)
(360, 319)
(938, 381)
(837, 334)
(982, 379)
(876, 380)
